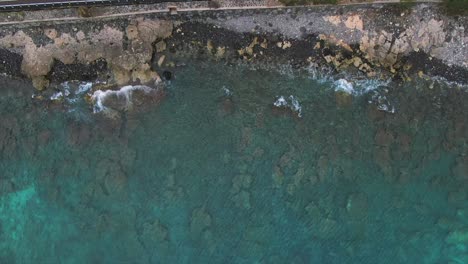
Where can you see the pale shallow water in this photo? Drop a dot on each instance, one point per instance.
(215, 173)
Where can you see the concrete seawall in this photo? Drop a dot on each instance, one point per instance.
(370, 41)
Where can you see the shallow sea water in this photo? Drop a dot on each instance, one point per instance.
(216, 173)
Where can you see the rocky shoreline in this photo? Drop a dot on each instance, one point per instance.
(372, 41)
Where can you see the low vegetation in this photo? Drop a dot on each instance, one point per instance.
(456, 7)
(407, 4)
(452, 7)
(308, 2)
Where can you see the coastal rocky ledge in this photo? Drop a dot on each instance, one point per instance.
(371, 41)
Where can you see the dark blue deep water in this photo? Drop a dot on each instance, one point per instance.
(214, 172)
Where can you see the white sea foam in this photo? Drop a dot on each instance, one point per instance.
(280, 102)
(66, 89)
(84, 87)
(382, 102)
(71, 92)
(56, 96)
(344, 86)
(451, 84)
(292, 104)
(319, 74)
(100, 96)
(359, 86)
(295, 105)
(226, 91)
(367, 85)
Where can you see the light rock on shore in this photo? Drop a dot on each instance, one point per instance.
(382, 41)
(128, 64)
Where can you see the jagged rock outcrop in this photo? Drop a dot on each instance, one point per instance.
(127, 53)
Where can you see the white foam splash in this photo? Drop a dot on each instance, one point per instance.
(344, 86)
(56, 96)
(383, 103)
(368, 85)
(386, 108)
(66, 89)
(280, 102)
(226, 91)
(319, 74)
(99, 96)
(359, 86)
(84, 87)
(293, 104)
(451, 84)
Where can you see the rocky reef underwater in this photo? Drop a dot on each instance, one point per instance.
(236, 165)
(232, 140)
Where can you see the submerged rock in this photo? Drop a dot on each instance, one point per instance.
(320, 225)
(199, 222)
(6, 186)
(154, 233)
(241, 181)
(43, 137)
(242, 200)
(357, 206)
(383, 138)
(404, 141)
(343, 99)
(277, 176)
(227, 107)
(459, 236)
(78, 134)
(112, 178)
(460, 170)
(9, 130)
(323, 168)
(383, 158)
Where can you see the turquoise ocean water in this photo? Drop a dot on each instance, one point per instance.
(236, 165)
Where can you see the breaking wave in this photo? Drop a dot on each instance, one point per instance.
(360, 86)
(99, 97)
